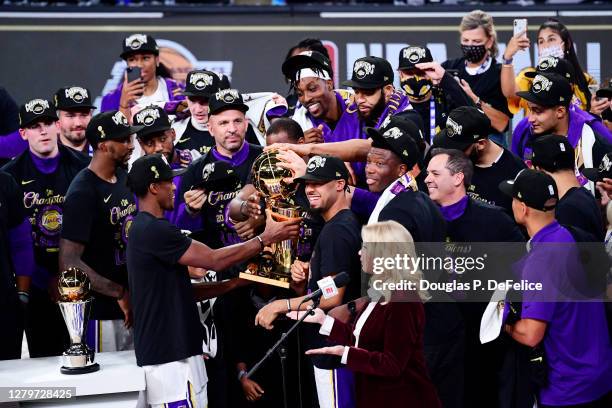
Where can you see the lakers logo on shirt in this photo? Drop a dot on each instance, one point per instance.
(50, 220)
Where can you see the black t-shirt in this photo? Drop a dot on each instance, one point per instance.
(43, 199)
(166, 322)
(12, 214)
(216, 230)
(486, 85)
(99, 215)
(194, 139)
(485, 181)
(579, 208)
(336, 250)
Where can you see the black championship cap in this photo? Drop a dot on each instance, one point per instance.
(73, 97)
(225, 99)
(552, 152)
(465, 125)
(534, 188)
(202, 83)
(151, 168)
(410, 56)
(370, 73)
(218, 176)
(139, 43)
(548, 90)
(603, 171)
(152, 120)
(34, 111)
(323, 169)
(398, 135)
(110, 125)
(312, 60)
(553, 65)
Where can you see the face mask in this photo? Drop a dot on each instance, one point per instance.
(607, 115)
(553, 51)
(474, 53)
(416, 87)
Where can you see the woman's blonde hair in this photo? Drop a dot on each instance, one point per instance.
(479, 18)
(385, 240)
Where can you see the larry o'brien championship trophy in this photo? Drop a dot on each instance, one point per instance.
(274, 266)
(75, 304)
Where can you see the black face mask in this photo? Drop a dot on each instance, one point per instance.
(474, 53)
(607, 115)
(416, 87)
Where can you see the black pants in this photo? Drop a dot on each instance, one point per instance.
(11, 321)
(45, 328)
(445, 364)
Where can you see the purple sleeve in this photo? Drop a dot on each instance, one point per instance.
(111, 100)
(602, 130)
(520, 129)
(363, 202)
(277, 112)
(182, 219)
(12, 145)
(22, 248)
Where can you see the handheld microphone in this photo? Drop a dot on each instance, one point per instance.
(328, 287)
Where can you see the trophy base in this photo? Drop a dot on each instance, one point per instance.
(261, 279)
(80, 370)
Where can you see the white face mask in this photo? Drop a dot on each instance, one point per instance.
(552, 51)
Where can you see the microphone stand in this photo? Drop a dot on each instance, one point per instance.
(309, 311)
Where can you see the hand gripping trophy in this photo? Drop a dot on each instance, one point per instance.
(75, 304)
(274, 266)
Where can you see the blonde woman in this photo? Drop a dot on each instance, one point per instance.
(384, 346)
(478, 70)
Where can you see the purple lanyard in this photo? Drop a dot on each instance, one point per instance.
(432, 118)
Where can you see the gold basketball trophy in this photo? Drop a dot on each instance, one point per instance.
(273, 267)
(75, 304)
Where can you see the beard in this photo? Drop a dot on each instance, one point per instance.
(375, 113)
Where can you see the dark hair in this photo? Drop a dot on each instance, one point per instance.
(457, 162)
(312, 44)
(290, 126)
(163, 71)
(570, 55)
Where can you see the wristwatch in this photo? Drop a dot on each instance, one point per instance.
(507, 61)
(241, 374)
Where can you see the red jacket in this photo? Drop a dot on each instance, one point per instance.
(389, 364)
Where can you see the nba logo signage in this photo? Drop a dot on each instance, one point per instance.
(328, 287)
